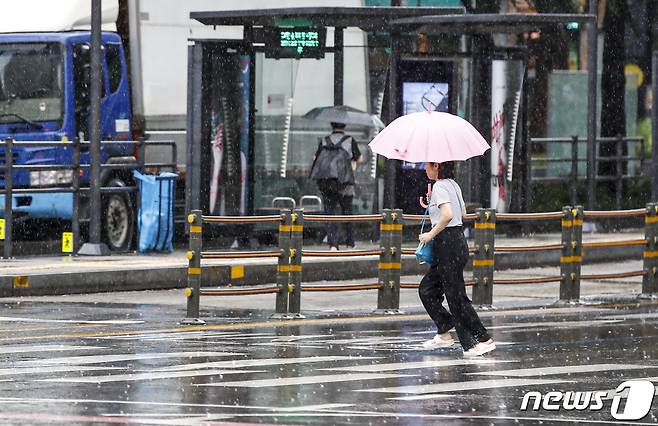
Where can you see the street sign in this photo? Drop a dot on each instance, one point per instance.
(67, 242)
(2, 229)
(295, 42)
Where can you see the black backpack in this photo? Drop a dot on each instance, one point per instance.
(332, 168)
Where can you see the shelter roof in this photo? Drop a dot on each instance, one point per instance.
(366, 18)
(513, 23)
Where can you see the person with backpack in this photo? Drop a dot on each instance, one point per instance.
(333, 171)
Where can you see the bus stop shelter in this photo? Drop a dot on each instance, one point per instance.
(396, 24)
(481, 28)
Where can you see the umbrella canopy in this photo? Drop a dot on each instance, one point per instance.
(343, 114)
(433, 136)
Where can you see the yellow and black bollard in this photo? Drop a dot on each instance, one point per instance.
(483, 261)
(296, 246)
(650, 256)
(192, 292)
(572, 254)
(396, 261)
(388, 297)
(283, 265)
(383, 298)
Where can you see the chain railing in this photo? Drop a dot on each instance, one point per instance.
(290, 252)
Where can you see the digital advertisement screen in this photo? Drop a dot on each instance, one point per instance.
(423, 96)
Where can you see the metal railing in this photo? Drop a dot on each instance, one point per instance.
(76, 167)
(620, 161)
(290, 253)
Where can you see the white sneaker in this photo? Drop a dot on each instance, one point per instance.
(437, 342)
(479, 349)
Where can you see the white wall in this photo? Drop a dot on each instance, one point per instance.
(53, 15)
(166, 27)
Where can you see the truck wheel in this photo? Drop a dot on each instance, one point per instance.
(118, 218)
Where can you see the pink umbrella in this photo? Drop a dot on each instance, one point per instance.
(426, 136)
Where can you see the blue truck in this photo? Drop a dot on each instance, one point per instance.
(44, 96)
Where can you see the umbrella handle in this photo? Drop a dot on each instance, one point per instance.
(427, 197)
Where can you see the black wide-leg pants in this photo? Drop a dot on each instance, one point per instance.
(447, 278)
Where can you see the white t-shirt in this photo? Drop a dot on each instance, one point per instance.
(446, 191)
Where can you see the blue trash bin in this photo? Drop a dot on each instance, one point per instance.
(156, 211)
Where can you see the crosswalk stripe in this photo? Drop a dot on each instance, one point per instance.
(50, 369)
(45, 348)
(306, 380)
(556, 324)
(146, 376)
(68, 401)
(545, 371)
(60, 321)
(431, 389)
(99, 359)
(415, 365)
(258, 362)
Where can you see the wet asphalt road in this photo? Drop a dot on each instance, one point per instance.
(106, 363)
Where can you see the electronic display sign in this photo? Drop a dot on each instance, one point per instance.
(297, 42)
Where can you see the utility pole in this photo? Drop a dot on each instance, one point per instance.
(94, 247)
(592, 62)
(391, 170)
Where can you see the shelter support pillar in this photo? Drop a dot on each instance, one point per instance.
(339, 68)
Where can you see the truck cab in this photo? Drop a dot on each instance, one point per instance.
(44, 96)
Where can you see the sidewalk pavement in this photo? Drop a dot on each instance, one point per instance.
(67, 275)
(318, 305)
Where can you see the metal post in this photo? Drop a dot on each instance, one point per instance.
(192, 292)
(141, 160)
(526, 149)
(574, 170)
(338, 66)
(296, 243)
(618, 171)
(483, 261)
(95, 247)
(135, 36)
(570, 261)
(592, 65)
(650, 279)
(528, 178)
(283, 266)
(141, 153)
(654, 128)
(75, 186)
(9, 186)
(390, 174)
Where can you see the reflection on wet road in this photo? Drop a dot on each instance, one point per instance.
(132, 364)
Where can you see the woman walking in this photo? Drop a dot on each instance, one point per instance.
(446, 277)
